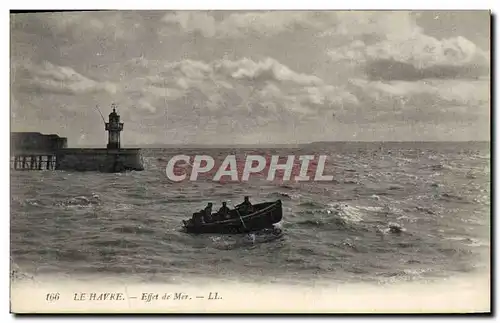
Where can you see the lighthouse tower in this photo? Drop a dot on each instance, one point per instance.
(114, 127)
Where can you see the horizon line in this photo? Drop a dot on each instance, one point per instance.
(196, 145)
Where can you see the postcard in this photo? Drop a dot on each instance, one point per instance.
(250, 162)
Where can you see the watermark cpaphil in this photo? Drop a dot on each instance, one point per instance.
(236, 169)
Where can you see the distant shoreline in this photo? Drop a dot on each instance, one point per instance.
(298, 145)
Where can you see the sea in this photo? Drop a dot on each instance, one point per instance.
(81, 225)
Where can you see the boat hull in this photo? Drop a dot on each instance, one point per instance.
(265, 216)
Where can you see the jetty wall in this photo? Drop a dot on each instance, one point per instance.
(102, 160)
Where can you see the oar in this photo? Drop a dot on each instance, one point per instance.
(243, 222)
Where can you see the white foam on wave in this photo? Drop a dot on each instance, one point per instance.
(345, 212)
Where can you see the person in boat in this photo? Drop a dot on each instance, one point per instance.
(246, 207)
(223, 212)
(197, 218)
(207, 213)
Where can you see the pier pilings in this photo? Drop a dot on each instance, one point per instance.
(33, 162)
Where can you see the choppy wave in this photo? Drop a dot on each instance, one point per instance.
(284, 196)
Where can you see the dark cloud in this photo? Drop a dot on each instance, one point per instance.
(389, 69)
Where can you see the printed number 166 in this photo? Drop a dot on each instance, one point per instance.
(51, 297)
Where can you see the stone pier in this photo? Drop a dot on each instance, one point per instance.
(36, 151)
(102, 160)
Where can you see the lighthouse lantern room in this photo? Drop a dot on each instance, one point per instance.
(114, 127)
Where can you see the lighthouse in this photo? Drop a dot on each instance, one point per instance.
(114, 127)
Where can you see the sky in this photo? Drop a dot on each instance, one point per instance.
(252, 77)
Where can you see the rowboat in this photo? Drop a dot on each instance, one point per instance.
(264, 216)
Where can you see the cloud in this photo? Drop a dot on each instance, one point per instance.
(393, 70)
(384, 45)
(430, 101)
(248, 96)
(414, 56)
(423, 51)
(236, 100)
(265, 70)
(193, 21)
(80, 25)
(50, 78)
(338, 24)
(205, 75)
(224, 87)
(441, 92)
(378, 24)
(234, 25)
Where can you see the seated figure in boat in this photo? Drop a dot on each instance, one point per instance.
(197, 217)
(207, 213)
(223, 213)
(246, 207)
